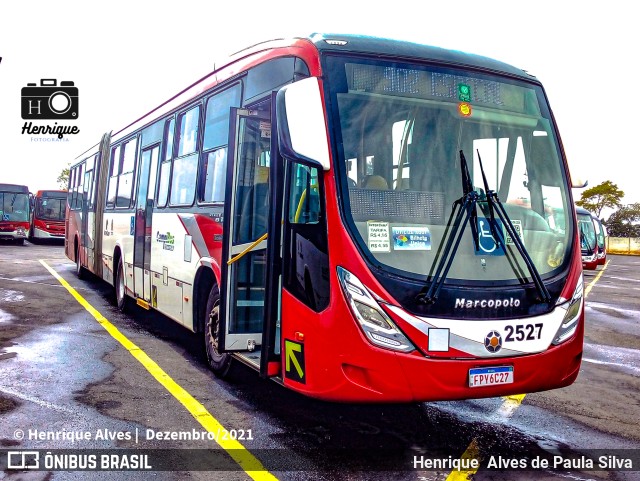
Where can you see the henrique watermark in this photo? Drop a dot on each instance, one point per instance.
(49, 100)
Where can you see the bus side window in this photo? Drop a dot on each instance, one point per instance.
(213, 163)
(126, 178)
(165, 167)
(183, 175)
(91, 162)
(113, 177)
(304, 205)
(77, 200)
(70, 196)
(306, 256)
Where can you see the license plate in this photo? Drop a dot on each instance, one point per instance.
(490, 376)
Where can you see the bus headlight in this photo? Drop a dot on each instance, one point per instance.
(374, 322)
(570, 321)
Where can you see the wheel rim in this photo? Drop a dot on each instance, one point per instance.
(120, 290)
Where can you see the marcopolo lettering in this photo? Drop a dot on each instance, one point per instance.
(462, 303)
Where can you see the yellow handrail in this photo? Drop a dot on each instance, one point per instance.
(247, 250)
(300, 204)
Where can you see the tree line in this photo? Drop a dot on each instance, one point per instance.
(624, 221)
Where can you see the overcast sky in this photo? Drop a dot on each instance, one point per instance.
(126, 57)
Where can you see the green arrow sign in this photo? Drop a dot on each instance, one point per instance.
(294, 361)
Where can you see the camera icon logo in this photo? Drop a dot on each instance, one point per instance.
(50, 100)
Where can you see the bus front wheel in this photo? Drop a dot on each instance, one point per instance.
(220, 363)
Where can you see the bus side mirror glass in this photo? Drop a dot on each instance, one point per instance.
(301, 123)
(579, 183)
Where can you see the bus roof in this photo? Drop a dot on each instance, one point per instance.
(324, 43)
(14, 188)
(409, 50)
(583, 211)
(51, 193)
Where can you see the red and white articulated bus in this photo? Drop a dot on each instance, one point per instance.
(361, 219)
(47, 218)
(15, 203)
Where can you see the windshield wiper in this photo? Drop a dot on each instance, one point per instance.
(585, 242)
(465, 207)
(494, 202)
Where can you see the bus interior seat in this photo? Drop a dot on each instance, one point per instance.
(433, 165)
(376, 182)
(531, 220)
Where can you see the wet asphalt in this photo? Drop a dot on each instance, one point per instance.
(62, 372)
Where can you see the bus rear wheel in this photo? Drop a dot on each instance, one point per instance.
(79, 268)
(121, 297)
(220, 363)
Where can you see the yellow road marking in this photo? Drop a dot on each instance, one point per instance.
(510, 404)
(249, 463)
(595, 279)
(508, 407)
(463, 475)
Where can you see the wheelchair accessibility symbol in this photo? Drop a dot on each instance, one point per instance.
(487, 245)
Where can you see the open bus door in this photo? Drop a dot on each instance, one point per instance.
(249, 282)
(142, 224)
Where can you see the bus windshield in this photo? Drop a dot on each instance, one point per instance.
(599, 232)
(14, 207)
(404, 134)
(587, 231)
(50, 208)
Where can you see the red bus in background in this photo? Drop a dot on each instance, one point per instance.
(589, 245)
(14, 212)
(361, 219)
(601, 237)
(47, 219)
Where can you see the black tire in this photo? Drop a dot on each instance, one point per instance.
(19, 242)
(122, 302)
(220, 363)
(79, 269)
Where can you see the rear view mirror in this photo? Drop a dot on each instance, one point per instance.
(578, 183)
(301, 123)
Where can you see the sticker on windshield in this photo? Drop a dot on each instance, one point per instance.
(517, 226)
(265, 129)
(378, 236)
(411, 238)
(487, 245)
